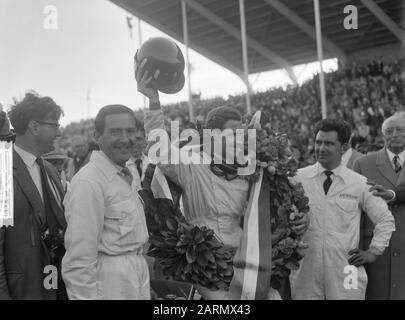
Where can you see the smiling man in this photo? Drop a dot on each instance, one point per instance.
(336, 197)
(106, 221)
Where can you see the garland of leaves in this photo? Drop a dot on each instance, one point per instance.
(185, 252)
(287, 201)
(194, 254)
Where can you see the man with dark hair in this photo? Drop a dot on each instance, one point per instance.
(217, 117)
(35, 242)
(106, 222)
(349, 154)
(386, 168)
(336, 197)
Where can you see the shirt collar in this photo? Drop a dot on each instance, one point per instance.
(105, 164)
(391, 155)
(340, 171)
(144, 164)
(28, 158)
(346, 156)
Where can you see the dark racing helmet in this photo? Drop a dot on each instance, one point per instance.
(164, 55)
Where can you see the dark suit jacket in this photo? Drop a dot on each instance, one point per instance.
(355, 155)
(23, 254)
(400, 194)
(386, 276)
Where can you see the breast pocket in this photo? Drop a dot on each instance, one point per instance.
(124, 218)
(347, 212)
(347, 205)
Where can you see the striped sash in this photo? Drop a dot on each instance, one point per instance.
(252, 261)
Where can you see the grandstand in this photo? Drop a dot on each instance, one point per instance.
(362, 94)
(280, 34)
(260, 35)
(368, 86)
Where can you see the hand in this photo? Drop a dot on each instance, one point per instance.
(360, 257)
(144, 80)
(300, 226)
(380, 191)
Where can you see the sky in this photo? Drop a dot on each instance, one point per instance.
(87, 61)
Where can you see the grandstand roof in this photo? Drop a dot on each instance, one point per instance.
(280, 33)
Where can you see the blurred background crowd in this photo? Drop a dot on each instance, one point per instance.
(362, 94)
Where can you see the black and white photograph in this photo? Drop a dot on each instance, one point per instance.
(215, 151)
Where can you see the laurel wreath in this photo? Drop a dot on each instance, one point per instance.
(194, 254)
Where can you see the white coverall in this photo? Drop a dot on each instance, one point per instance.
(105, 235)
(334, 230)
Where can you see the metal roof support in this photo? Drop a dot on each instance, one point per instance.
(385, 19)
(174, 35)
(257, 46)
(320, 57)
(307, 28)
(245, 53)
(185, 36)
(140, 44)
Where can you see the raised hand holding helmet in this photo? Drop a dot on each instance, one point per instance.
(164, 62)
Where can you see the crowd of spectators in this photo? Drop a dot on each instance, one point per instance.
(362, 94)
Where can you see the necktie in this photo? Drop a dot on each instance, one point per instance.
(127, 175)
(397, 164)
(328, 181)
(51, 221)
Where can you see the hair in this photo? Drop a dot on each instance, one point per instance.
(342, 128)
(32, 107)
(217, 117)
(99, 122)
(93, 146)
(393, 117)
(373, 147)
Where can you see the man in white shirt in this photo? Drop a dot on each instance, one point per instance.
(106, 222)
(385, 168)
(336, 197)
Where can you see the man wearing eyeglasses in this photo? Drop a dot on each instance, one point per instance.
(34, 245)
(385, 168)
